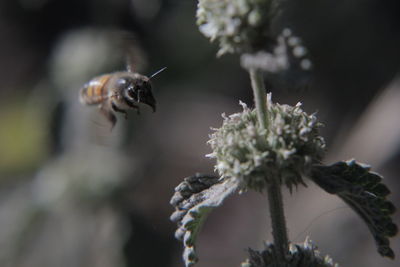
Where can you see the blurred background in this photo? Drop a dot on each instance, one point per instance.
(74, 193)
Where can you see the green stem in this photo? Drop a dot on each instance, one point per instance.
(278, 219)
(260, 97)
(279, 232)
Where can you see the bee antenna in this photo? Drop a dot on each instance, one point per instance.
(157, 72)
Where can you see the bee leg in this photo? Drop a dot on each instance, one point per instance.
(109, 116)
(134, 107)
(116, 109)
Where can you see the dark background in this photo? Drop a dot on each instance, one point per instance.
(73, 193)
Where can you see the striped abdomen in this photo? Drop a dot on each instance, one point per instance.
(95, 91)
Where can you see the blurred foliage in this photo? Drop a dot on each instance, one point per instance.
(23, 138)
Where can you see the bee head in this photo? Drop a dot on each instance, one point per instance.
(138, 90)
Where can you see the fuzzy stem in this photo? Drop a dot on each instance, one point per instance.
(274, 189)
(260, 97)
(278, 219)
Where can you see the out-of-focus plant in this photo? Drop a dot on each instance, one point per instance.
(74, 194)
(272, 145)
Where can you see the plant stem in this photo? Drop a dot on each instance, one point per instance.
(260, 97)
(279, 232)
(278, 219)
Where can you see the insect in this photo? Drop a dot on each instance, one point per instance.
(119, 92)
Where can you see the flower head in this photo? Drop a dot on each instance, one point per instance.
(238, 25)
(300, 255)
(286, 150)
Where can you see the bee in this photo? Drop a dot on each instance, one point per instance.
(119, 92)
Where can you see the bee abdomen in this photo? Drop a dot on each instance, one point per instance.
(95, 91)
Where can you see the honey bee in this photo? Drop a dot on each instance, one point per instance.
(119, 92)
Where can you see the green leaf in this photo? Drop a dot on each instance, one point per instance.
(363, 191)
(194, 198)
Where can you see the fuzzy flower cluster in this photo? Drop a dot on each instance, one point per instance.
(287, 52)
(285, 151)
(300, 255)
(238, 25)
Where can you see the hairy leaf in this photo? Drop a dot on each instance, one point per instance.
(194, 198)
(363, 191)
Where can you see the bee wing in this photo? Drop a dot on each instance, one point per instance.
(135, 57)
